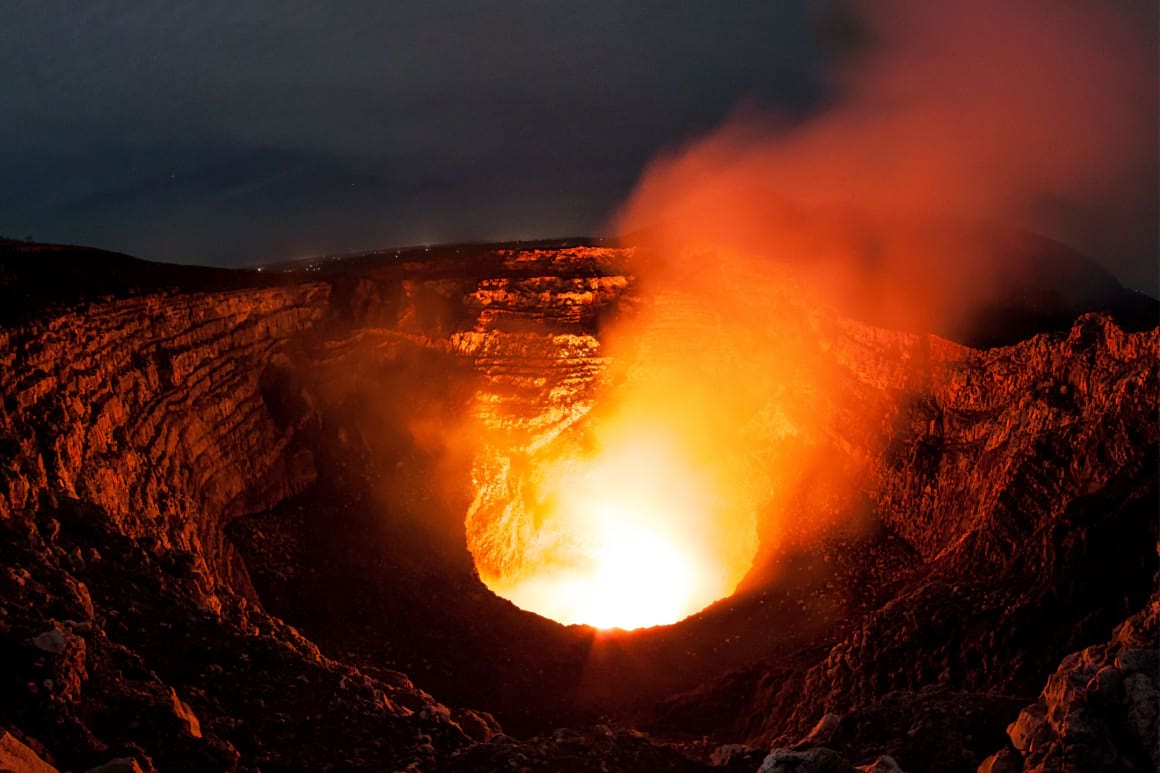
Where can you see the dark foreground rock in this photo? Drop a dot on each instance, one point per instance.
(1099, 710)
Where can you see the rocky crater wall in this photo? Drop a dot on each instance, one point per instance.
(150, 408)
(156, 419)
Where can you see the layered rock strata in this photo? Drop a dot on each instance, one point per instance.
(1018, 484)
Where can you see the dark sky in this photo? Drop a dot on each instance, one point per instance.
(235, 132)
(245, 131)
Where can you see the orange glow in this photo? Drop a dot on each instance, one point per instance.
(629, 479)
(624, 539)
(633, 484)
(954, 117)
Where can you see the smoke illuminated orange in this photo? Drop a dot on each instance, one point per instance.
(626, 499)
(638, 496)
(638, 493)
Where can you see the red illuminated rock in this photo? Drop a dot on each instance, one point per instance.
(1008, 493)
(16, 757)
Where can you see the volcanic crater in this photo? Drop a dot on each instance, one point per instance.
(252, 520)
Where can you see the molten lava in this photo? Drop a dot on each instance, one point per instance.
(626, 492)
(628, 537)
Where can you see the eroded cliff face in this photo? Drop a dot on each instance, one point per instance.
(1006, 492)
(151, 409)
(134, 429)
(137, 428)
(1019, 432)
(1026, 479)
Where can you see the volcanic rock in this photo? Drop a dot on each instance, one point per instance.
(16, 757)
(231, 538)
(118, 765)
(1099, 709)
(816, 760)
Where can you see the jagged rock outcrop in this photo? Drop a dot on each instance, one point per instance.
(1099, 710)
(17, 757)
(821, 760)
(1010, 472)
(151, 408)
(134, 428)
(151, 439)
(107, 654)
(1025, 478)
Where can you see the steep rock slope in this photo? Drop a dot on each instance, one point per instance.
(135, 427)
(1025, 478)
(1006, 502)
(151, 409)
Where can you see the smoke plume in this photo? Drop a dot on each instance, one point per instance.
(718, 440)
(1035, 114)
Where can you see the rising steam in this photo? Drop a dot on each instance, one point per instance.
(1038, 114)
(717, 426)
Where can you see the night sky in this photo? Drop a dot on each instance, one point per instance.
(236, 132)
